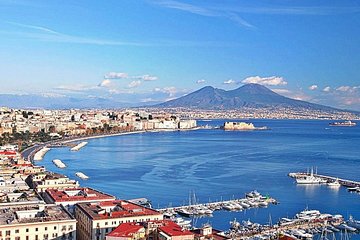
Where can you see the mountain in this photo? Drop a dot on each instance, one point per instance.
(33, 101)
(249, 95)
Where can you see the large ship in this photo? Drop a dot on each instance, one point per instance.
(343, 124)
(309, 179)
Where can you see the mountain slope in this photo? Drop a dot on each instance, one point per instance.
(249, 95)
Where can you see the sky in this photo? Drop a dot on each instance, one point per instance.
(156, 50)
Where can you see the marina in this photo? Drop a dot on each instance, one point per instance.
(252, 200)
(307, 224)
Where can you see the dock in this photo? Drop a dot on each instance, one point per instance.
(252, 200)
(304, 225)
(343, 182)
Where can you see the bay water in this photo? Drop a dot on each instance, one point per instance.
(166, 167)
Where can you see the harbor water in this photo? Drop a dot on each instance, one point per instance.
(166, 167)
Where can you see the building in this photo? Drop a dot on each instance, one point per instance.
(70, 196)
(47, 180)
(172, 231)
(127, 231)
(95, 220)
(36, 222)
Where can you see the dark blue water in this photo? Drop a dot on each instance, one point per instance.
(217, 164)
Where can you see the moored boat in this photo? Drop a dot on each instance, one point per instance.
(343, 124)
(334, 184)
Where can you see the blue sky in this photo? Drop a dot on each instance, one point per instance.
(155, 50)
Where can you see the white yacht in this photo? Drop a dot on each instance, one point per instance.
(309, 179)
(307, 214)
(334, 184)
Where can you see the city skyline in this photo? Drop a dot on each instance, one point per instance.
(153, 51)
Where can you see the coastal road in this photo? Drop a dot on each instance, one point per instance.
(29, 152)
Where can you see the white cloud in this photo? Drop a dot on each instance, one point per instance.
(116, 75)
(271, 81)
(313, 87)
(105, 83)
(171, 92)
(147, 77)
(201, 81)
(146, 100)
(203, 11)
(75, 88)
(327, 89)
(134, 84)
(230, 81)
(347, 88)
(281, 91)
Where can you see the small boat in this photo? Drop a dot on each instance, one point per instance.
(253, 194)
(184, 212)
(81, 175)
(182, 222)
(345, 227)
(263, 204)
(343, 124)
(353, 189)
(353, 223)
(334, 184)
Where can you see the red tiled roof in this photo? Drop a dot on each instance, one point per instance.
(172, 229)
(91, 195)
(120, 208)
(7, 153)
(126, 230)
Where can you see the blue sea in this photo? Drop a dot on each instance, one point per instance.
(216, 164)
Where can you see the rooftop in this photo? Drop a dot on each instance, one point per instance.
(115, 209)
(77, 194)
(126, 230)
(32, 213)
(172, 229)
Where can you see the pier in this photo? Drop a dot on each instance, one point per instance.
(252, 200)
(343, 182)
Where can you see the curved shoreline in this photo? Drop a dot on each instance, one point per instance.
(35, 148)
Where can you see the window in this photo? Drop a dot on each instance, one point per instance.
(54, 227)
(36, 237)
(106, 223)
(27, 238)
(17, 238)
(16, 230)
(8, 233)
(46, 236)
(27, 230)
(63, 228)
(70, 227)
(36, 229)
(45, 228)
